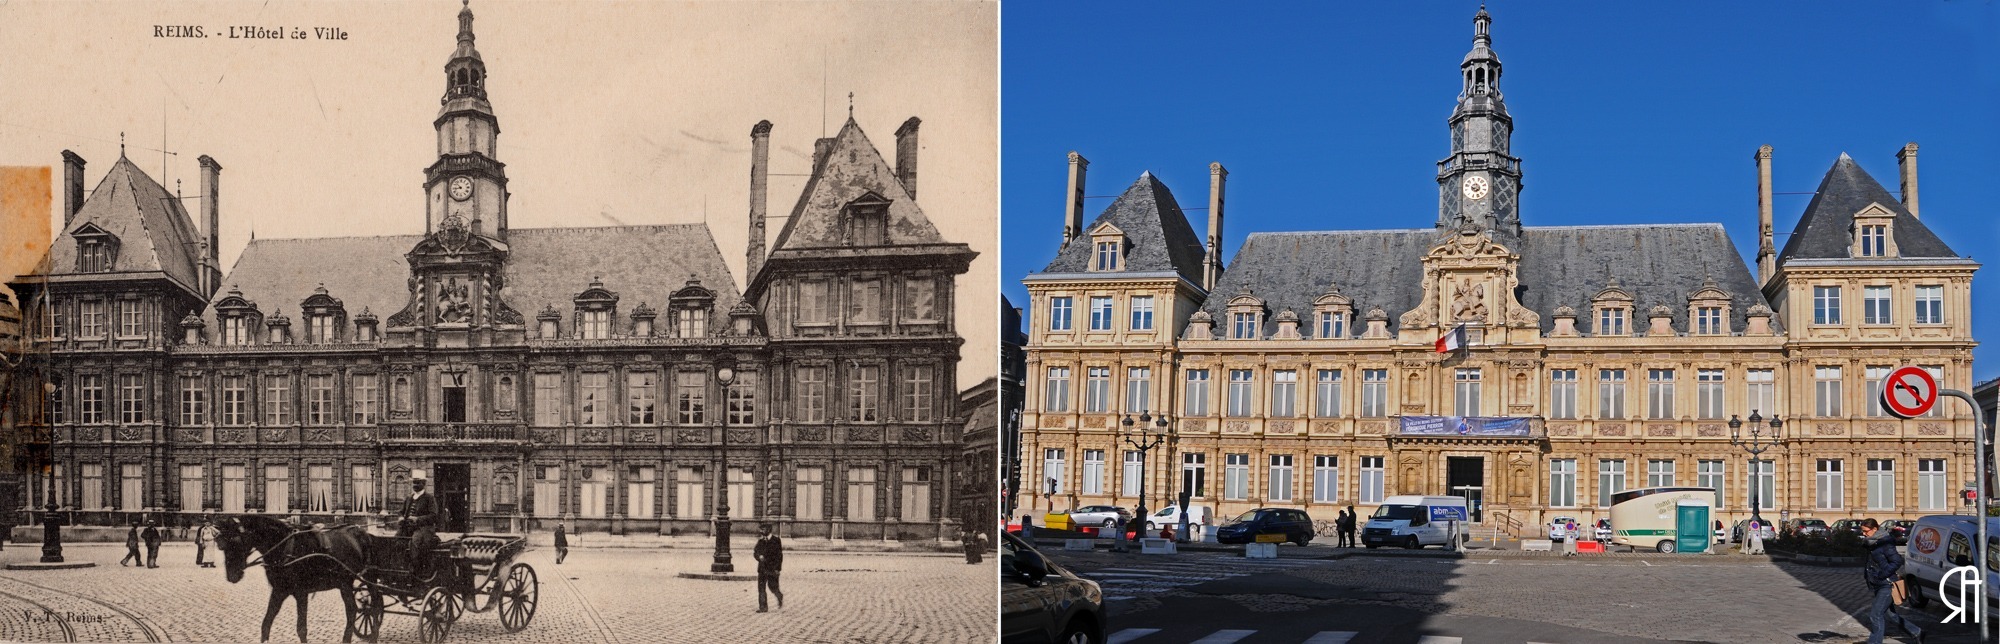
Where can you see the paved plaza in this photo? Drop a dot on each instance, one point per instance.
(618, 595)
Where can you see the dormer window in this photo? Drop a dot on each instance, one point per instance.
(1709, 308)
(867, 221)
(233, 331)
(238, 318)
(1874, 239)
(691, 323)
(642, 320)
(1246, 317)
(324, 316)
(595, 325)
(1331, 313)
(692, 305)
(1611, 321)
(1613, 310)
(1708, 320)
(1106, 256)
(595, 307)
(96, 249)
(1107, 249)
(549, 322)
(1872, 232)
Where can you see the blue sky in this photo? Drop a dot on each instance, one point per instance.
(1332, 116)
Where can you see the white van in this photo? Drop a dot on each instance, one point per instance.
(1170, 516)
(1940, 542)
(1405, 521)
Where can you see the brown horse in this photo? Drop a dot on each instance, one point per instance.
(297, 562)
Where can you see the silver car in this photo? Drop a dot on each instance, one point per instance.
(1100, 516)
(1737, 532)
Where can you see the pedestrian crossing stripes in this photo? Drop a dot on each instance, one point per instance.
(1229, 636)
(1152, 577)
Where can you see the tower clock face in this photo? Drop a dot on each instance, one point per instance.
(1474, 187)
(461, 188)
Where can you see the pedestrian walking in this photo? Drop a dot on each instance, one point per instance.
(770, 554)
(1883, 571)
(975, 547)
(1340, 529)
(132, 547)
(202, 536)
(152, 537)
(1353, 523)
(562, 544)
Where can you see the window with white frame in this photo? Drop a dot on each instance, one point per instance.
(1236, 477)
(1060, 312)
(319, 487)
(90, 398)
(641, 397)
(1826, 305)
(593, 492)
(1194, 474)
(1138, 389)
(1106, 256)
(916, 490)
(1828, 484)
(1610, 480)
(1873, 375)
(90, 319)
(1374, 393)
(1826, 391)
(1100, 313)
(639, 490)
(1562, 393)
(1937, 374)
(277, 489)
(319, 399)
(690, 497)
(1284, 393)
(1326, 394)
(1710, 474)
(1660, 394)
(810, 487)
(1093, 471)
(1874, 240)
(1244, 326)
(131, 318)
(131, 398)
(1197, 392)
(548, 399)
(1881, 484)
(919, 395)
(1763, 484)
(1875, 302)
(1056, 394)
(861, 494)
(1659, 472)
(194, 401)
(1611, 321)
(864, 393)
(363, 478)
(691, 393)
(1142, 312)
(1371, 479)
(740, 397)
(1930, 484)
(1760, 393)
(235, 483)
(191, 480)
(131, 487)
(1611, 394)
(1708, 394)
(277, 400)
(814, 305)
(1332, 324)
(1930, 304)
(1708, 320)
(235, 400)
(812, 394)
(1055, 474)
(1280, 483)
(1465, 392)
(367, 402)
(594, 398)
(1096, 389)
(1326, 479)
(1129, 477)
(596, 324)
(1240, 382)
(1562, 482)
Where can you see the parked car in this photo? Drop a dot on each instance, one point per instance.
(1108, 517)
(1846, 525)
(1043, 602)
(1603, 530)
(1291, 525)
(1806, 526)
(1559, 528)
(1740, 531)
(1899, 529)
(1170, 517)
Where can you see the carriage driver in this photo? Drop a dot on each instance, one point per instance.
(419, 521)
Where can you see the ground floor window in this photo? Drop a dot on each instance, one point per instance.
(1881, 484)
(234, 482)
(1236, 477)
(861, 494)
(1326, 479)
(319, 481)
(548, 491)
(277, 488)
(1562, 483)
(916, 494)
(591, 491)
(742, 492)
(364, 488)
(1371, 479)
(1930, 484)
(1828, 482)
(689, 503)
(639, 492)
(811, 494)
(191, 488)
(131, 487)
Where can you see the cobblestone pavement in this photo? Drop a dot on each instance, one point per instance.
(1686, 598)
(625, 596)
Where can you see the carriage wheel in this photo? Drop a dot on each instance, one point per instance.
(434, 620)
(367, 619)
(519, 594)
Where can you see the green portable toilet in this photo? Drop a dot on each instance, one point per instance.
(1692, 532)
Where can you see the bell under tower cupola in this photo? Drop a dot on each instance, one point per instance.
(1479, 185)
(468, 183)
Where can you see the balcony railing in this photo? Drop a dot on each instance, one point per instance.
(454, 432)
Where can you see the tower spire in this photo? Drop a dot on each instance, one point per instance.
(1479, 184)
(465, 23)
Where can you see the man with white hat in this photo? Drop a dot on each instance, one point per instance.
(419, 522)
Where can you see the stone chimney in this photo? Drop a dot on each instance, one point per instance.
(211, 213)
(760, 178)
(906, 155)
(72, 186)
(1906, 160)
(1212, 268)
(1767, 252)
(1073, 212)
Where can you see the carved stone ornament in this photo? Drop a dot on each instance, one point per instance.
(1194, 425)
(1095, 421)
(233, 435)
(1236, 427)
(1829, 429)
(916, 434)
(1279, 427)
(595, 435)
(1708, 429)
(1375, 427)
(742, 436)
(1930, 429)
(1662, 430)
(1326, 427)
(1562, 429)
(129, 433)
(1468, 302)
(274, 434)
(811, 434)
(364, 435)
(864, 434)
(648, 436)
(1881, 429)
(320, 434)
(546, 436)
(190, 434)
(1611, 429)
(690, 435)
(89, 434)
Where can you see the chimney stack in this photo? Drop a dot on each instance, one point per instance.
(906, 155)
(1073, 213)
(1212, 268)
(1767, 252)
(211, 189)
(760, 177)
(1906, 160)
(72, 186)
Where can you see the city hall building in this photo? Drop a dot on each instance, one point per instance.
(1596, 358)
(611, 377)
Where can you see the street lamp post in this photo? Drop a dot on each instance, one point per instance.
(1756, 446)
(1146, 437)
(722, 564)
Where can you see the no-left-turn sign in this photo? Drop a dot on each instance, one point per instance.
(1909, 392)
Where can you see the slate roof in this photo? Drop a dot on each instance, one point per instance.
(545, 266)
(154, 232)
(1157, 234)
(1825, 230)
(852, 168)
(1560, 265)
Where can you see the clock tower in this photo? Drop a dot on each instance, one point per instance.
(467, 186)
(1479, 185)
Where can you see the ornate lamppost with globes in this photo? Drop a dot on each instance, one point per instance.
(1149, 432)
(723, 374)
(1755, 446)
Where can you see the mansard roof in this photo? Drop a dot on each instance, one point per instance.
(154, 232)
(1825, 231)
(1157, 235)
(1560, 266)
(852, 169)
(545, 266)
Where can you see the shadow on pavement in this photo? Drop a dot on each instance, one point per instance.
(1843, 587)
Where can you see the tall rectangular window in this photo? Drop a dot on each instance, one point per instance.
(1659, 473)
(740, 400)
(235, 481)
(1240, 382)
(191, 479)
(1056, 396)
(1374, 393)
(639, 490)
(742, 490)
(1761, 391)
(1371, 479)
(363, 477)
(1875, 305)
(131, 398)
(1236, 477)
(90, 321)
(319, 399)
(1660, 394)
(811, 494)
(1930, 304)
(1142, 312)
(319, 488)
(1093, 471)
(594, 398)
(235, 331)
(1708, 320)
(916, 494)
(1828, 484)
(1465, 392)
(1562, 482)
(1881, 484)
(1194, 474)
(861, 494)
(1284, 393)
(1332, 325)
(1611, 321)
(1054, 473)
(1106, 257)
(131, 318)
(1138, 389)
(592, 492)
(1197, 392)
(277, 489)
(1133, 469)
(596, 325)
(1826, 391)
(548, 399)
(235, 400)
(690, 494)
(691, 397)
(1280, 483)
(1610, 480)
(277, 400)
(90, 398)
(813, 302)
(1562, 393)
(1326, 394)
(1710, 474)
(131, 487)
(1930, 484)
(1764, 484)
(1100, 313)
(864, 303)
(367, 402)
(1059, 313)
(319, 329)
(1826, 305)
(93, 487)
(1874, 240)
(1611, 394)
(1326, 479)
(1096, 389)
(1244, 326)
(1937, 373)
(920, 299)
(919, 397)
(1708, 394)
(1872, 376)
(812, 394)
(641, 392)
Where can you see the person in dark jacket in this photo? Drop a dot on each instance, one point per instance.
(152, 537)
(1353, 525)
(562, 544)
(419, 523)
(770, 554)
(1885, 566)
(132, 547)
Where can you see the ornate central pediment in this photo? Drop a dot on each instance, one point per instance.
(1470, 279)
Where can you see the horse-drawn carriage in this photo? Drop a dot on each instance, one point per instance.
(377, 576)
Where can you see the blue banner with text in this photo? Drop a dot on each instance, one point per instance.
(1464, 426)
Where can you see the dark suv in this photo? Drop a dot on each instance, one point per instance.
(1279, 524)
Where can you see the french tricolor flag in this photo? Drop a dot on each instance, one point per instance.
(1453, 340)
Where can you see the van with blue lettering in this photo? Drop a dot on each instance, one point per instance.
(1415, 522)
